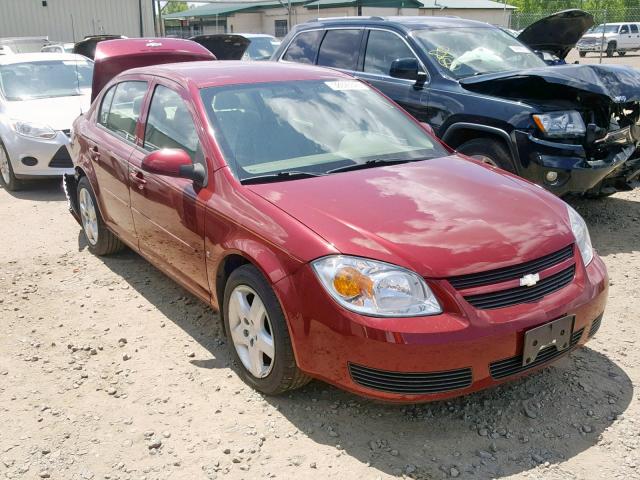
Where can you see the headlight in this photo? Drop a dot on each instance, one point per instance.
(581, 232)
(560, 124)
(34, 130)
(375, 288)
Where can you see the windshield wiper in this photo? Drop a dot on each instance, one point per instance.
(372, 163)
(280, 176)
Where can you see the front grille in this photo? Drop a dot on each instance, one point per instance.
(409, 382)
(513, 365)
(595, 325)
(511, 273)
(61, 159)
(514, 296)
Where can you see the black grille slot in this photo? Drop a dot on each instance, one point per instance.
(595, 325)
(410, 382)
(514, 296)
(67, 132)
(512, 366)
(511, 273)
(61, 159)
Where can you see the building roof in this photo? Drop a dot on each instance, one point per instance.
(465, 4)
(213, 9)
(365, 3)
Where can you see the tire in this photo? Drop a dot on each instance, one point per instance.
(278, 373)
(582, 54)
(611, 48)
(621, 54)
(100, 239)
(10, 183)
(488, 151)
(600, 191)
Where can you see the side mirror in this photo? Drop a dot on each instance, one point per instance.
(408, 69)
(173, 162)
(428, 128)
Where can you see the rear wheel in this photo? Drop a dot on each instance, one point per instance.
(7, 177)
(100, 239)
(611, 48)
(621, 54)
(258, 333)
(582, 54)
(492, 152)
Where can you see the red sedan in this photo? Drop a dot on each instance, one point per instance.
(337, 236)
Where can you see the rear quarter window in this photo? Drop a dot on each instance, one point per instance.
(304, 47)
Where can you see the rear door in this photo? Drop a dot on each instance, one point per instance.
(635, 35)
(625, 39)
(110, 147)
(167, 212)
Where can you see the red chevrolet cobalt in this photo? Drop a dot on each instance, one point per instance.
(337, 237)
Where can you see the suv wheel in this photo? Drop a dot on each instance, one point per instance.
(621, 54)
(100, 239)
(582, 54)
(488, 151)
(7, 177)
(258, 332)
(611, 48)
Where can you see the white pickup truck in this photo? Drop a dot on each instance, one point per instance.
(610, 38)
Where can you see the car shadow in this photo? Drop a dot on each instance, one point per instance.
(549, 416)
(49, 190)
(614, 223)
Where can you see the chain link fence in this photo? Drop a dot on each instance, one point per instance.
(520, 20)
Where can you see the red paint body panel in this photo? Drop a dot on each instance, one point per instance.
(440, 218)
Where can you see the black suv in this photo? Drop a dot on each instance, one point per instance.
(570, 128)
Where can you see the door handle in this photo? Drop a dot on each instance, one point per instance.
(95, 154)
(138, 179)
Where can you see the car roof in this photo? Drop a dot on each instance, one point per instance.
(218, 73)
(39, 57)
(408, 22)
(253, 35)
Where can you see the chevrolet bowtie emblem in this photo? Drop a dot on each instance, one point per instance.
(529, 280)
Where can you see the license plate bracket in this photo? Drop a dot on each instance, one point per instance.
(557, 332)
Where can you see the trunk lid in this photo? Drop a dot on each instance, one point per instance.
(224, 46)
(87, 47)
(557, 33)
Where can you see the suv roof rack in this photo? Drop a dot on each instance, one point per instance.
(322, 19)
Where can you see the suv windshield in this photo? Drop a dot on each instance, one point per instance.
(45, 79)
(605, 29)
(467, 51)
(287, 129)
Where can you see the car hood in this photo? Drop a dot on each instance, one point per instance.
(224, 46)
(557, 33)
(440, 217)
(58, 113)
(619, 84)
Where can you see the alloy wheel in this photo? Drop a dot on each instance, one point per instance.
(88, 216)
(251, 331)
(4, 167)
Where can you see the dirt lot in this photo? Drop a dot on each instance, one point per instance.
(110, 370)
(631, 59)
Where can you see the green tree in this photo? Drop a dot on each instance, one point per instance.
(173, 7)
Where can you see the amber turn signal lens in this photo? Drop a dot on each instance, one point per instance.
(350, 283)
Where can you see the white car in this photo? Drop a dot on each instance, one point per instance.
(40, 96)
(611, 38)
(58, 48)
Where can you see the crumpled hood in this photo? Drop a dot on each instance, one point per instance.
(58, 113)
(441, 217)
(558, 33)
(618, 83)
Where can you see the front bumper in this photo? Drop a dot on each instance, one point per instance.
(575, 173)
(32, 157)
(452, 354)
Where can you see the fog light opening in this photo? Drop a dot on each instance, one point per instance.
(29, 161)
(551, 177)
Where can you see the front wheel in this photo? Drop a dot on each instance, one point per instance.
(257, 330)
(582, 54)
(7, 177)
(622, 54)
(611, 48)
(492, 152)
(100, 239)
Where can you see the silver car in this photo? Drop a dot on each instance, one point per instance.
(40, 96)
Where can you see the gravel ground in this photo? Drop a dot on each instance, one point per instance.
(631, 59)
(110, 370)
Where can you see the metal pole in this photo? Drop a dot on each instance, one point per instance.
(141, 22)
(604, 25)
(160, 20)
(289, 16)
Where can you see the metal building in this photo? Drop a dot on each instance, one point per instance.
(72, 20)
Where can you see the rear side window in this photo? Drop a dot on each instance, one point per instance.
(340, 49)
(382, 49)
(304, 47)
(125, 109)
(170, 124)
(103, 117)
(634, 28)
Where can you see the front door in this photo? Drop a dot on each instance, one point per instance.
(382, 48)
(168, 216)
(110, 147)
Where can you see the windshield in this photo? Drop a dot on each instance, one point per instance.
(311, 127)
(45, 79)
(261, 48)
(467, 51)
(605, 29)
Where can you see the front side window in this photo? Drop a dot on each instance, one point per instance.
(304, 47)
(340, 49)
(466, 51)
(46, 79)
(125, 109)
(382, 49)
(313, 126)
(605, 29)
(170, 124)
(624, 29)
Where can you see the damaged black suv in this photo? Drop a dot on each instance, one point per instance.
(570, 128)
